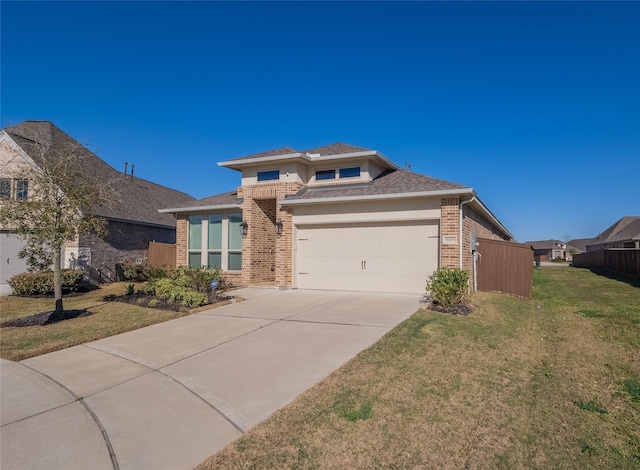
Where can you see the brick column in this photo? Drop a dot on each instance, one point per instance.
(181, 239)
(450, 232)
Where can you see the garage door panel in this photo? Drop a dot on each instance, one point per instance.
(10, 246)
(370, 257)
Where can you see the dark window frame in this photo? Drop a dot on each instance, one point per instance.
(345, 172)
(268, 175)
(323, 175)
(5, 189)
(22, 190)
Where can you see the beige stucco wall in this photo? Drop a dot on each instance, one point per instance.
(383, 210)
(290, 172)
(13, 164)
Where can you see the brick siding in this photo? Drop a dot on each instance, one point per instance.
(450, 228)
(124, 242)
(267, 258)
(182, 226)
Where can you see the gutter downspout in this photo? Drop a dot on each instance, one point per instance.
(460, 237)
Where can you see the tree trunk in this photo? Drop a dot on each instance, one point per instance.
(57, 278)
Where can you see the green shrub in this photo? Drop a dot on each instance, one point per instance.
(129, 289)
(42, 283)
(170, 291)
(448, 286)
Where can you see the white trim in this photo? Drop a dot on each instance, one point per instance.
(199, 208)
(235, 164)
(373, 197)
(271, 158)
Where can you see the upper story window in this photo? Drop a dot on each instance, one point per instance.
(269, 175)
(5, 189)
(22, 190)
(14, 189)
(325, 175)
(352, 172)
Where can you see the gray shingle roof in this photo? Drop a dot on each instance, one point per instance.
(336, 149)
(390, 182)
(135, 199)
(625, 229)
(224, 199)
(333, 149)
(579, 244)
(545, 244)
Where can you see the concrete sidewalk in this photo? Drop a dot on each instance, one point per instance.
(169, 395)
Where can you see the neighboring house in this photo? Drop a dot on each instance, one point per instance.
(335, 217)
(133, 219)
(625, 233)
(548, 250)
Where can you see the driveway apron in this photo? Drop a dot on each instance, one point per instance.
(169, 395)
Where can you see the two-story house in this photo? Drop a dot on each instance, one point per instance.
(132, 216)
(334, 217)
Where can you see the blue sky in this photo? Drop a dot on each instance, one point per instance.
(534, 105)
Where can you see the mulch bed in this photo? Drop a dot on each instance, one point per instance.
(142, 300)
(47, 318)
(460, 309)
(151, 301)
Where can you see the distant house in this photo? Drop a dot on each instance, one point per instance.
(579, 244)
(625, 233)
(133, 220)
(548, 250)
(333, 217)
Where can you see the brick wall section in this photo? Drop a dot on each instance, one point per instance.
(472, 221)
(262, 257)
(182, 225)
(450, 227)
(261, 249)
(124, 242)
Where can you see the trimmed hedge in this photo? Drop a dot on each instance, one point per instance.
(42, 283)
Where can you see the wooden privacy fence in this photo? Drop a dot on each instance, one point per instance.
(505, 267)
(161, 254)
(622, 261)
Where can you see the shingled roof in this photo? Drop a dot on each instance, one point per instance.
(390, 182)
(224, 200)
(334, 149)
(625, 229)
(135, 199)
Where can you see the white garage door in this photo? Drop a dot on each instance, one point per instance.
(389, 257)
(10, 264)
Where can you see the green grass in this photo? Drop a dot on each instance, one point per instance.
(553, 382)
(109, 318)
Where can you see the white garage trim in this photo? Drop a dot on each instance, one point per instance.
(394, 256)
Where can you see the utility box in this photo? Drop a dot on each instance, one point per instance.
(474, 241)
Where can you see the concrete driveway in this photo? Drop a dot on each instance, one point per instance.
(169, 395)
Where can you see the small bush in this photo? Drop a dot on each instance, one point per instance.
(448, 287)
(129, 289)
(170, 291)
(42, 283)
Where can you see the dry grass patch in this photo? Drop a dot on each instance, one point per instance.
(501, 388)
(107, 319)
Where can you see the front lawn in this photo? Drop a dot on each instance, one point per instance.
(553, 382)
(107, 319)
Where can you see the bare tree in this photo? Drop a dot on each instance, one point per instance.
(61, 204)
